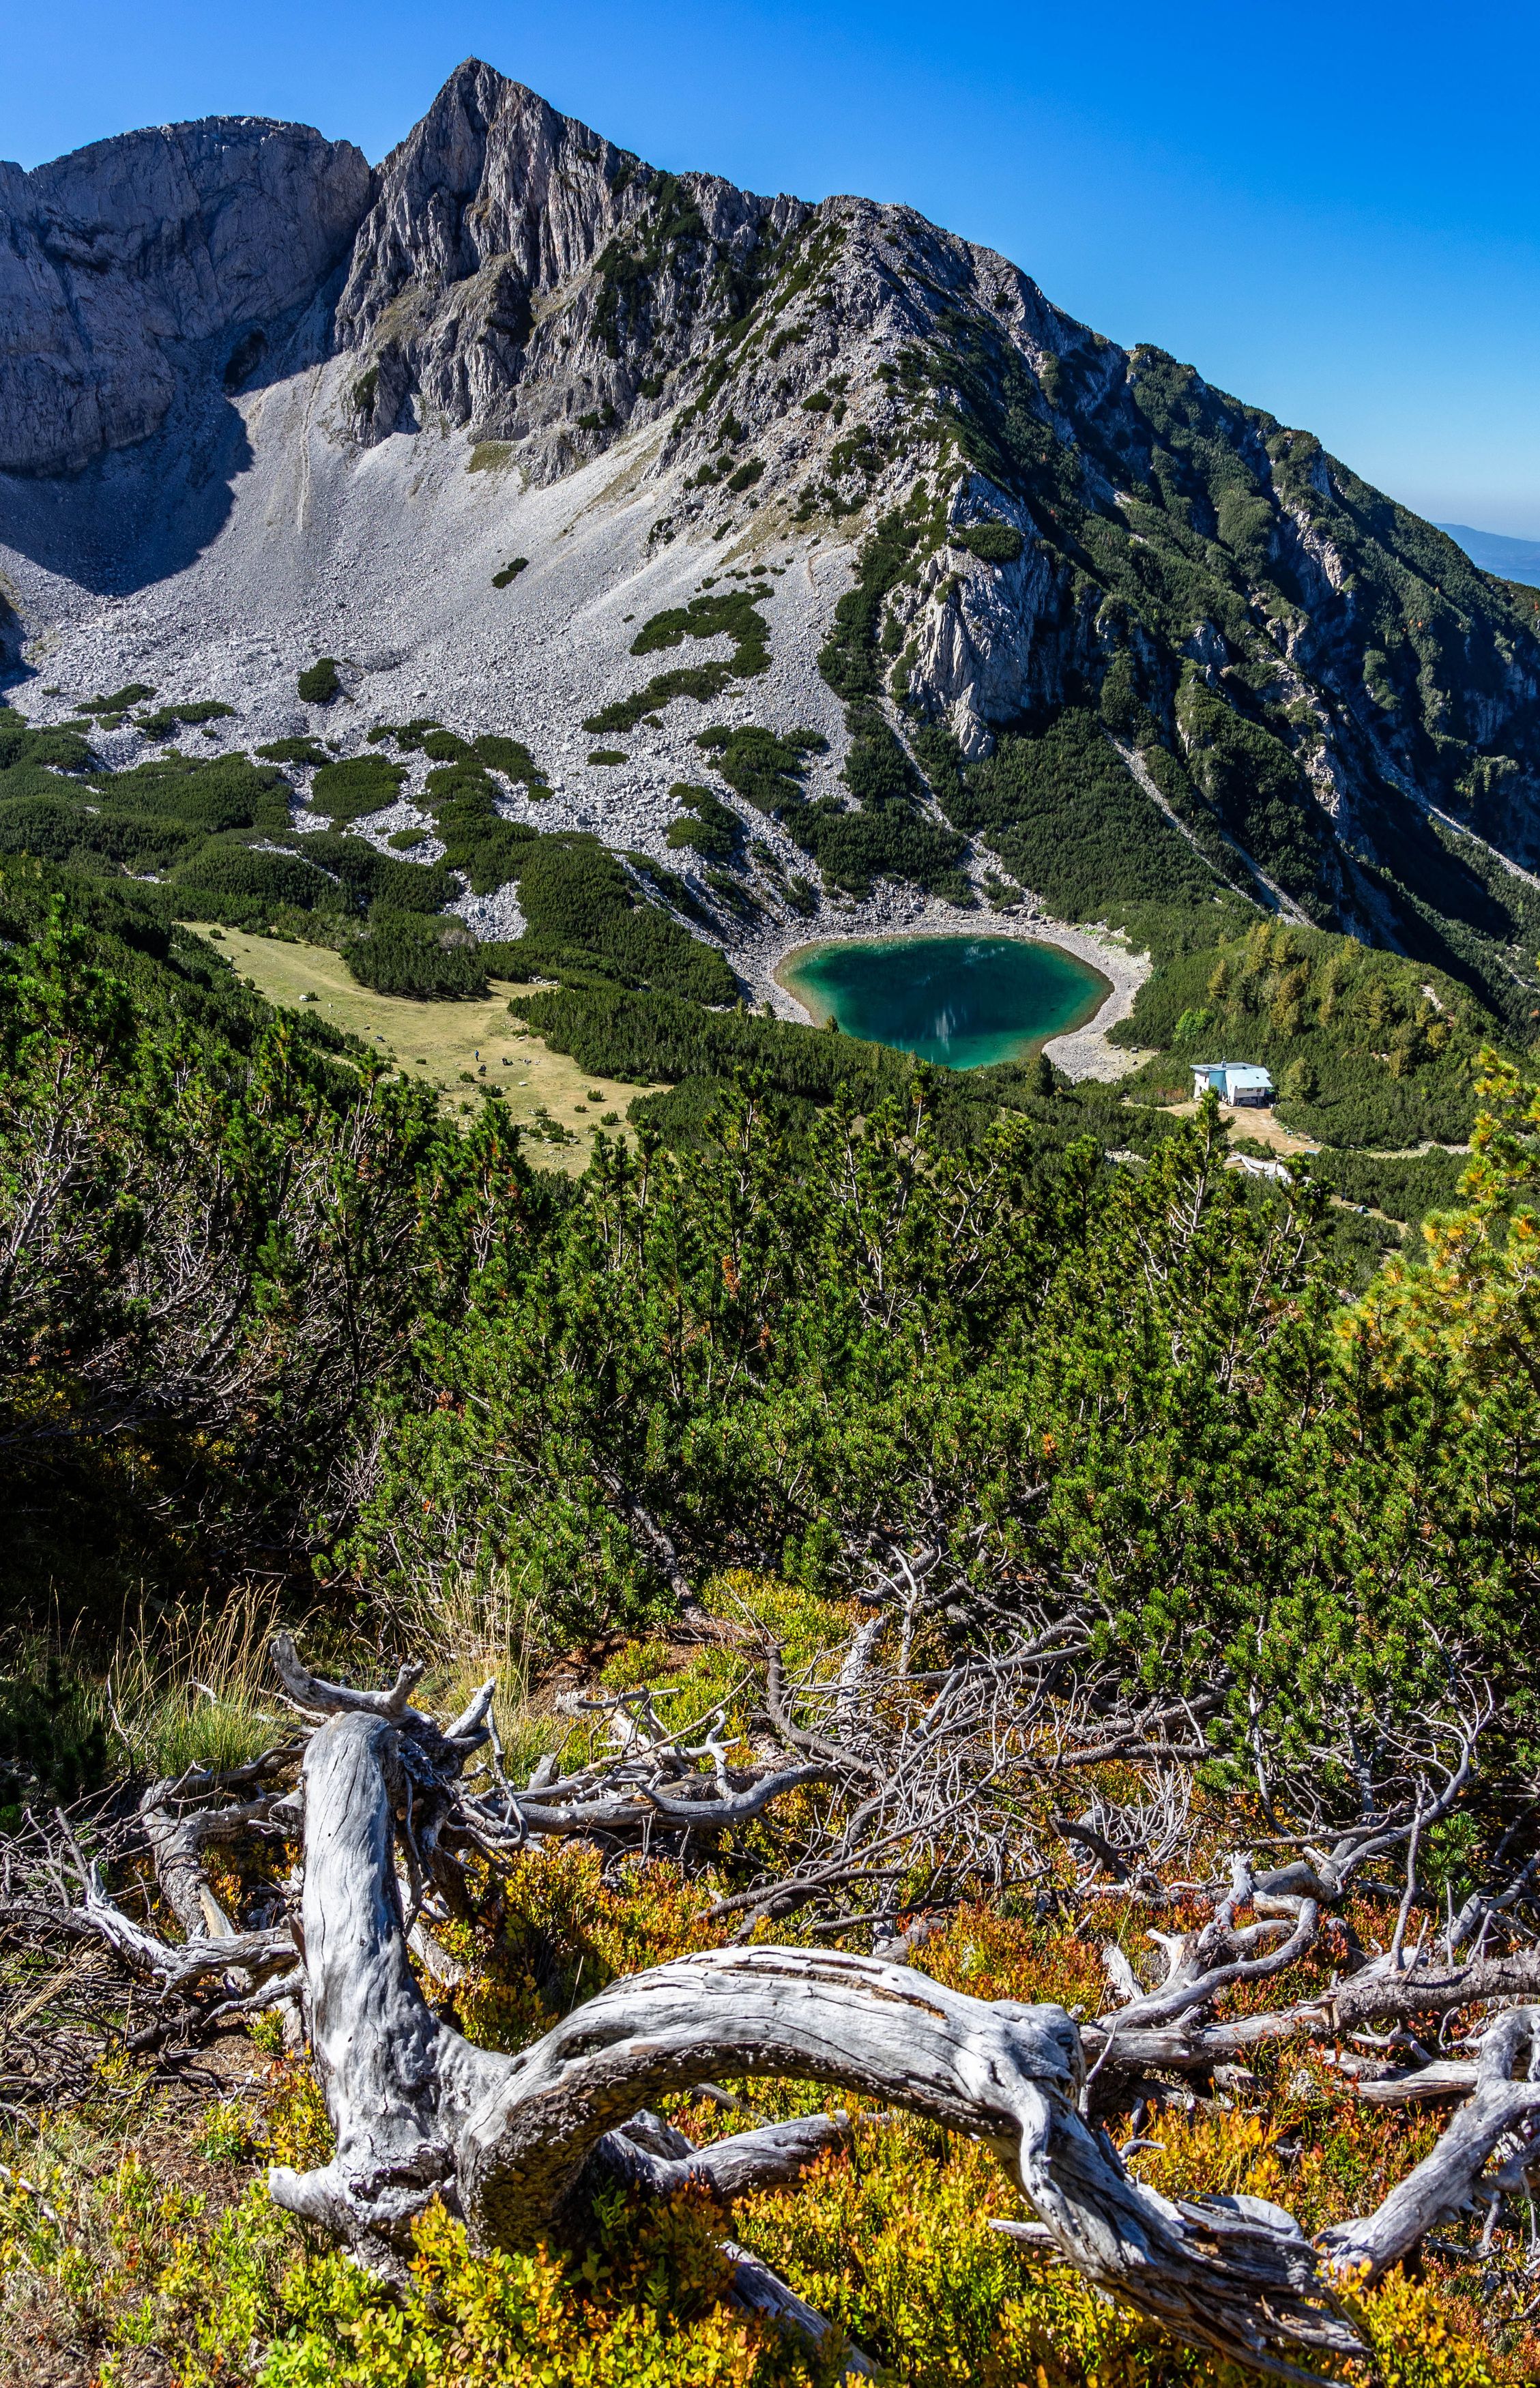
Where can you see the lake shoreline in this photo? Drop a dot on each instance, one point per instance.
(796, 967)
(1081, 1052)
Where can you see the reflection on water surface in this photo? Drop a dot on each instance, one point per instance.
(964, 1001)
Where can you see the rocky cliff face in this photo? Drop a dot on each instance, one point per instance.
(520, 275)
(126, 263)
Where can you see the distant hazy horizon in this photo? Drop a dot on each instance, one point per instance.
(1332, 220)
(1515, 559)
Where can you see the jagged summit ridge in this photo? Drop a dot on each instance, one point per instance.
(129, 259)
(473, 287)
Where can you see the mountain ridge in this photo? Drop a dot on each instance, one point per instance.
(961, 515)
(1511, 559)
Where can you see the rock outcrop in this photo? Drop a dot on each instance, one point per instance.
(122, 266)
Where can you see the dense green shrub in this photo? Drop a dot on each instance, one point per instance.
(575, 894)
(1404, 1186)
(991, 542)
(59, 750)
(166, 720)
(764, 766)
(635, 1034)
(61, 829)
(508, 756)
(371, 877)
(225, 794)
(319, 683)
(888, 836)
(710, 828)
(364, 784)
(400, 953)
(56, 750)
(478, 841)
(146, 821)
(510, 571)
(852, 848)
(265, 879)
(294, 750)
(1256, 788)
(138, 691)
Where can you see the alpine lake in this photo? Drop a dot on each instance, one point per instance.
(963, 1001)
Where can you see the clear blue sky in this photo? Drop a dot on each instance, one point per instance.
(1331, 210)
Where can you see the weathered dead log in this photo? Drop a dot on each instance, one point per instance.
(508, 2141)
(1449, 2179)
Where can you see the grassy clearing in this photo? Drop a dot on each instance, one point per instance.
(441, 1042)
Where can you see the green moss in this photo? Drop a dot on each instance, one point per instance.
(490, 456)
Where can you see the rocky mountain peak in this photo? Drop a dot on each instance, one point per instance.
(517, 413)
(517, 268)
(127, 261)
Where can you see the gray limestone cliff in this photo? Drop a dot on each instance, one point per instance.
(519, 274)
(186, 246)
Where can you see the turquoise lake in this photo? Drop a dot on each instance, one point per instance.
(964, 1001)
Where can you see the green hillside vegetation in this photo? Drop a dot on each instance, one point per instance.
(1218, 503)
(215, 840)
(1068, 819)
(1362, 1053)
(409, 1371)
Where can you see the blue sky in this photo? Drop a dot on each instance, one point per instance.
(1331, 210)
